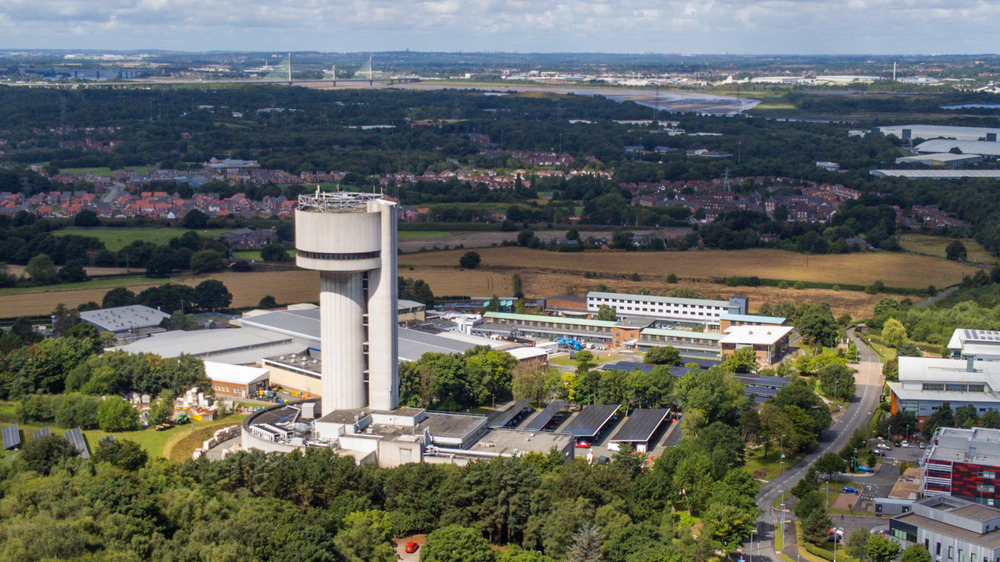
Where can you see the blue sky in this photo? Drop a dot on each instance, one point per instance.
(633, 26)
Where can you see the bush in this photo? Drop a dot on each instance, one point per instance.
(44, 453)
(470, 260)
(115, 414)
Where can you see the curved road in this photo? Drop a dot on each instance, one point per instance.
(869, 386)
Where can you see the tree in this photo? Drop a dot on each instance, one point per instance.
(816, 323)
(72, 272)
(180, 321)
(44, 453)
(160, 262)
(586, 545)
(837, 378)
(743, 360)
(206, 261)
(267, 301)
(856, 543)
(525, 238)
(470, 260)
(455, 543)
(728, 526)
(212, 294)
(956, 251)
(606, 313)
(881, 549)
(41, 270)
(830, 464)
(273, 251)
(662, 355)
(86, 218)
(915, 553)
(123, 453)
(119, 296)
(78, 410)
(195, 219)
(572, 234)
(893, 333)
(366, 537)
(816, 527)
(116, 414)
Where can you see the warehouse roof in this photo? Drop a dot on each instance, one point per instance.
(937, 174)
(937, 131)
(122, 318)
(208, 343)
(234, 374)
(942, 157)
(753, 318)
(981, 148)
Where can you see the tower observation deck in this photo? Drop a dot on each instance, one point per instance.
(350, 238)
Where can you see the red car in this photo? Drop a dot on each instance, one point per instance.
(411, 547)
(583, 444)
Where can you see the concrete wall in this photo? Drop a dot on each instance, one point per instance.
(295, 381)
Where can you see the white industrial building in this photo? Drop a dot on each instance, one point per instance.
(937, 174)
(132, 319)
(941, 159)
(981, 345)
(981, 148)
(909, 132)
(690, 310)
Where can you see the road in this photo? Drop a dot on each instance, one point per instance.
(869, 386)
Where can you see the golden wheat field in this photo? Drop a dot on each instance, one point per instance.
(893, 269)
(247, 289)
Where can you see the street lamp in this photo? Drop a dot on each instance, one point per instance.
(752, 532)
(781, 461)
(835, 383)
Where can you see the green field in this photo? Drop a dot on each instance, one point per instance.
(936, 245)
(117, 238)
(248, 255)
(103, 171)
(152, 441)
(422, 234)
(100, 283)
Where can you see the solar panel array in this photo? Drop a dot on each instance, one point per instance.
(11, 437)
(763, 381)
(41, 433)
(590, 420)
(641, 425)
(982, 335)
(500, 419)
(75, 437)
(541, 418)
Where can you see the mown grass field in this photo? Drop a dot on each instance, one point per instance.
(100, 171)
(935, 246)
(117, 238)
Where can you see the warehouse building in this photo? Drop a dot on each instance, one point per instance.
(942, 159)
(136, 319)
(937, 174)
(978, 148)
(909, 132)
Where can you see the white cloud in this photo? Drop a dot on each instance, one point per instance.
(768, 26)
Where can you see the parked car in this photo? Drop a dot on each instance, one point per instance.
(850, 490)
(835, 534)
(896, 444)
(864, 468)
(905, 444)
(411, 547)
(922, 445)
(583, 444)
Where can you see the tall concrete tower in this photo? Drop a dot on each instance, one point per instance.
(350, 238)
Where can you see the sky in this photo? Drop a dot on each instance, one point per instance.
(625, 26)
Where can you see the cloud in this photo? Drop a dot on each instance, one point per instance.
(709, 26)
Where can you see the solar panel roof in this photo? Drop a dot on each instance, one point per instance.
(41, 433)
(641, 425)
(541, 418)
(590, 420)
(500, 419)
(75, 437)
(11, 437)
(763, 381)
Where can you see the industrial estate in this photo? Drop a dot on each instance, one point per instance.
(501, 308)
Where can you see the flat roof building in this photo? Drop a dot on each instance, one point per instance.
(941, 159)
(982, 345)
(124, 319)
(697, 310)
(950, 529)
(909, 132)
(963, 463)
(769, 342)
(937, 174)
(979, 148)
(236, 380)
(926, 383)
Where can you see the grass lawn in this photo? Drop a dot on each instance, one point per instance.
(117, 238)
(567, 362)
(154, 442)
(421, 234)
(103, 171)
(768, 467)
(936, 245)
(247, 255)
